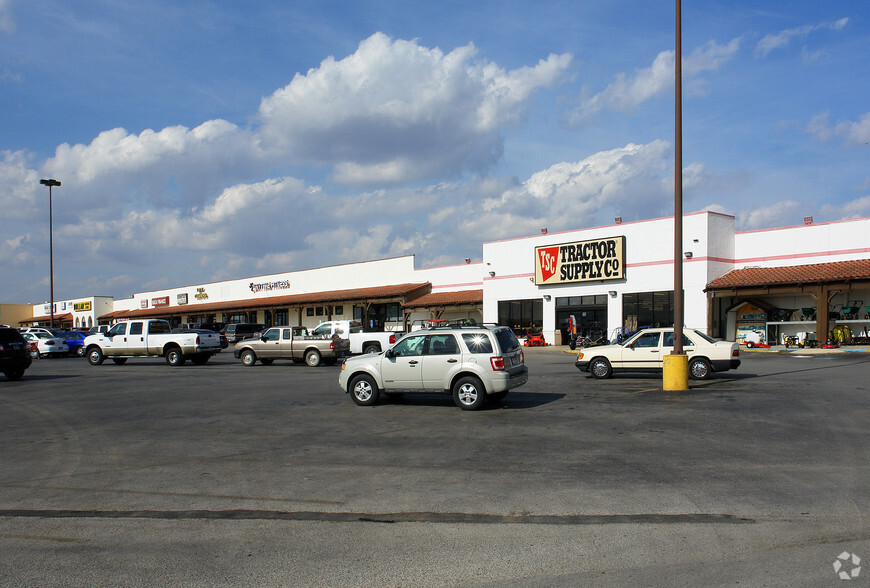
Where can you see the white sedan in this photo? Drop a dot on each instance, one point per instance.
(644, 351)
(47, 345)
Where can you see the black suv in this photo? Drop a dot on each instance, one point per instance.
(237, 331)
(14, 353)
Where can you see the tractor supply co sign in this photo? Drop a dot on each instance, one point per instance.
(583, 261)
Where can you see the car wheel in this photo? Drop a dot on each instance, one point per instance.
(572, 344)
(175, 358)
(469, 393)
(312, 358)
(14, 375)
(266, 361)
(81, 351)
(248, 357)
(372, 349)
(600, 368)
(700, 369)
(119, 360)
(95, 356)
(364, 390)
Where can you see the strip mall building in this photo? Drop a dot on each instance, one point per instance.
(806, 278)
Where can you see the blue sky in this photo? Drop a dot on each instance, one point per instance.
(201, 141)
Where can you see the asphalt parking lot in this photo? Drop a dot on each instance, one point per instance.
(143, 475)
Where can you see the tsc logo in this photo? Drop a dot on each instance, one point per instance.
(547, 258)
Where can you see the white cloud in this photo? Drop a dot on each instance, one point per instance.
(779, 214)
(7, 25)
(395, 111)
(782, 39)
(626, 92)
(852, 132)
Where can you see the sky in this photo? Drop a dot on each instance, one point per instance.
(200, 141)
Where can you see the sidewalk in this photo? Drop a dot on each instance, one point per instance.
(773, 349)
(807, 350)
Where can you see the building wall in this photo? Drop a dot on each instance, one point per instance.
(396, 270)
(13, 314)
(803, 244)
(85, 311)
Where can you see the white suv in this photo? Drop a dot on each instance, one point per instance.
(474, 363)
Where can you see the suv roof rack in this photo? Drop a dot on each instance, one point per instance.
(458, 324)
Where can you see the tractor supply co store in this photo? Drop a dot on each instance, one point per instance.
(607, 278)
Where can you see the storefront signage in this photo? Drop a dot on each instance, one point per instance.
(582, 261)
(181, 299)
(143, 304)
(201, 294)
(162, 301)
(266, 286)
(82, 306)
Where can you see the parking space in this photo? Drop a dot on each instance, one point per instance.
(271, 475)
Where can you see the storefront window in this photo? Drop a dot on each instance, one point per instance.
(237, 317)
(648, 309)
(521, 315)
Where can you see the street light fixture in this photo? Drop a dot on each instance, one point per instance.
(50, 183)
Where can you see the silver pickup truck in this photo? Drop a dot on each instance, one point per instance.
(293, 343)
(152, 338)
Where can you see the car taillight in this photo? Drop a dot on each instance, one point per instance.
(392, 338)
(735, 353)
(497, 363)
(332, 345)
(197, 339)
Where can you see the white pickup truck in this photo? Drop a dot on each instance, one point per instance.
(151, 338)
(360, 342)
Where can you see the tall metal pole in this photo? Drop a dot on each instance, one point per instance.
(50, 183)
(678, 188)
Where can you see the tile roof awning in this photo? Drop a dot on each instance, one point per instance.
(352, 295)
(459, 298)
(39, 319)
(840, 272)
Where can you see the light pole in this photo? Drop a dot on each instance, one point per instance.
(50, 183)
(675, 366)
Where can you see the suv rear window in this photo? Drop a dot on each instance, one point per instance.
(507, 340)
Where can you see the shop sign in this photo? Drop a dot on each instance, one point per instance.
(181, 299)
(162, 301)
(82, 306)
(582, 261)
(47, 308)
(201, 294)
(267, 286)
(143, 304)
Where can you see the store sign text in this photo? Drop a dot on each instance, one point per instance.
(162, 301)
(266, 286)
(201, 294)
(181, 299)
(583, 261)
(82, 306)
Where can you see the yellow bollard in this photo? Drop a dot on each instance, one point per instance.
(675, 372)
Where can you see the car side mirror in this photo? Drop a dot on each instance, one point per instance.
(389, 353)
